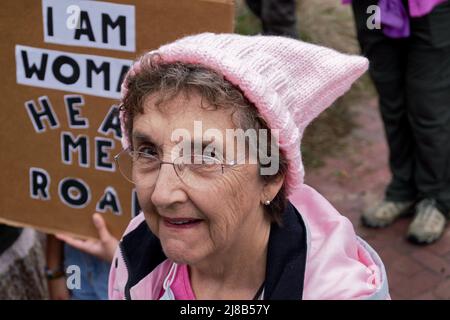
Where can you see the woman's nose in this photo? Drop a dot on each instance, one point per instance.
(168, 187)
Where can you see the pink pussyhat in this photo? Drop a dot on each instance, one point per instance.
(289, 81)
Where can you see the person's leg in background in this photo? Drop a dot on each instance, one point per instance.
(278, 17)
(387, 69)
(428, 95)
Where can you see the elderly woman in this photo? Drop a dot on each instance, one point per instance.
(214, 225)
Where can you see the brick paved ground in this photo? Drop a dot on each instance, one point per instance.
(356, 179)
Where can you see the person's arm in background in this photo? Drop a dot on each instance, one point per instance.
(103, 248)
(56, 279)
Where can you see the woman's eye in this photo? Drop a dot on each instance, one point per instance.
(213, 154)
(148, 150)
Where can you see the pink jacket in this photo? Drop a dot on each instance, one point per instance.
(321, 254)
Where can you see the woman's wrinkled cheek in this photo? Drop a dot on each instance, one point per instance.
(149, 210)
(152, 219)
(229, 191)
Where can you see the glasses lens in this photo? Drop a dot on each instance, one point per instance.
(138, 167)
(198, 169)
(124, 163)
(143, 169)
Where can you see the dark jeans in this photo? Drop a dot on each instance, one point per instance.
(412, 77)
(278, 17)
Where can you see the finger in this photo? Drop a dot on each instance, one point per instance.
(84, 245)
(69, 240)
(100, 224)
(64, 237)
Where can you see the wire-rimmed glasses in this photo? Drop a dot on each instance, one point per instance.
(141, 168)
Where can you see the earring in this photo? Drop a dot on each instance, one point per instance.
(267, 202)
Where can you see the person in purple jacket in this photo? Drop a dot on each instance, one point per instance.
(409, 58)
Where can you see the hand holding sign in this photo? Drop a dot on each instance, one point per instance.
(103, 248)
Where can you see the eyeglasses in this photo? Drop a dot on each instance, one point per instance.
(142, 169)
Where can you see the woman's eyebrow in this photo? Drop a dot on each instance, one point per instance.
(142, 137)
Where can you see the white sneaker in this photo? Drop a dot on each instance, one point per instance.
(385, 213)
(428, 224)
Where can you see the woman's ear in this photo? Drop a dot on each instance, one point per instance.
(271, 188)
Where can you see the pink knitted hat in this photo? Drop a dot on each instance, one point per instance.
(289, 81)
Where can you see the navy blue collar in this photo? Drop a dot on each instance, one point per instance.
(286, 256)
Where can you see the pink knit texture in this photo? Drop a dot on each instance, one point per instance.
(290, 82)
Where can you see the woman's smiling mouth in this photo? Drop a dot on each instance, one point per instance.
(181, 223)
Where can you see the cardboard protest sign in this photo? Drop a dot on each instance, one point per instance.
(62, 64)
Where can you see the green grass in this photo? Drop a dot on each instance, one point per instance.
(246, 22)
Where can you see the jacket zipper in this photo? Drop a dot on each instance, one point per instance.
(125, 260)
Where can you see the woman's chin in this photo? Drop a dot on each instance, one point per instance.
(179, 252)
